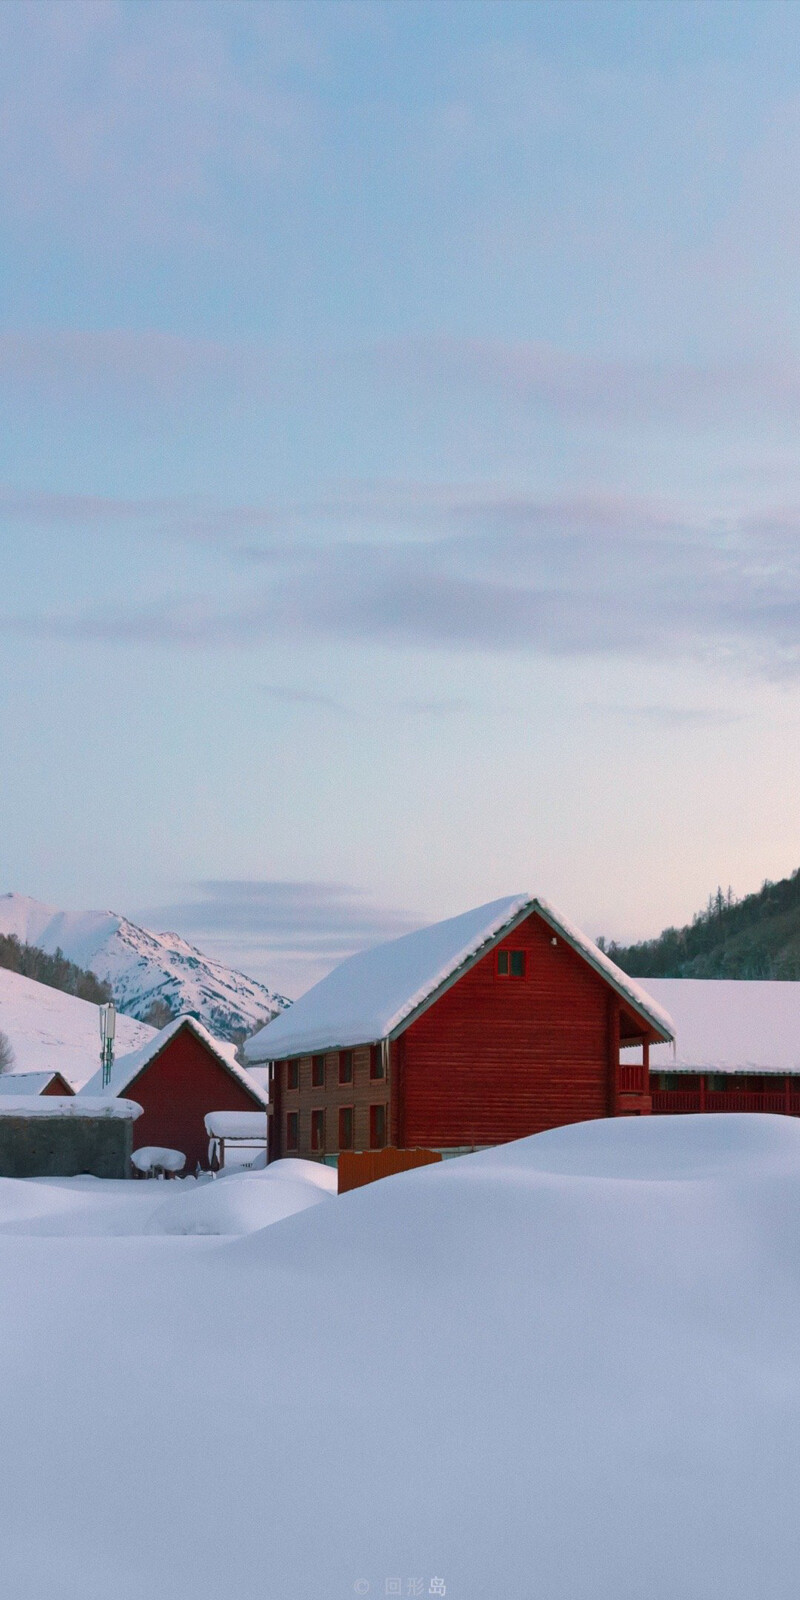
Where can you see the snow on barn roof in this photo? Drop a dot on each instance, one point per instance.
(16, 1083)
(127, 1068)
(374, 995)
(729, 1025)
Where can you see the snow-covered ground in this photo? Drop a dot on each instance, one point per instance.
(142, 966)
(566, 1369)
(50, 1031)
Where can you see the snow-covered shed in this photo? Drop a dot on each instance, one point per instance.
(178, 1077)
(476, 1030)
(49, 1083)
(62, 1136)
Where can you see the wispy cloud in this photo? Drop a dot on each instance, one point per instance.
(121, 124)
(288, 695)
(666, 717)
(146, 366)
(325, 920)
(571, 578)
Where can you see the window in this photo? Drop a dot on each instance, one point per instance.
(511, 963)
(318, 1130)
(670, 1080)
(345, 1066)
(345, 1127)
(717, 1082)
(377, 1068)
(377, 1127)
(292, 1074)
(291, 1130)
(318, 1072)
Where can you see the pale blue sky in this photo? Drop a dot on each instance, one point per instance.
(399, 476)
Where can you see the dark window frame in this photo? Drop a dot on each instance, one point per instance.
(318, 1145)
(292, 1130)
(318, 1072)
(347, 1144)
(292, 1076)
(345, 1066)
(505, 962)
(377, 1113)
(377, 1069)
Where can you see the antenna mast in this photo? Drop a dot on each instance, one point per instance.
(108, 1027)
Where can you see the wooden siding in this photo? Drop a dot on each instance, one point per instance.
(363, 1092)
(496, 1058)
(58, 1086)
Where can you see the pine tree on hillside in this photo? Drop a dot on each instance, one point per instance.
(54, 970)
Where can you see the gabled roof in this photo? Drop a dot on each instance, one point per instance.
(126, 1069)
(729, 1025)
(375, 994)
(16, 1083)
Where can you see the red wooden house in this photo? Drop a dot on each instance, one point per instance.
(178, 1078)
(478, 1030)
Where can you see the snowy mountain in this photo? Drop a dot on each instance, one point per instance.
(50, 1031)
(143, 967)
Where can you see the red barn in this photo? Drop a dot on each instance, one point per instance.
(478, 1030)
(177, 1078)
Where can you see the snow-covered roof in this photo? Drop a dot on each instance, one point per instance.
(236, 1125)
(154, 1156)
(52, 1031)
(127, 1068)
(729, 1025)
(28, 1082)
(375, 994)
(61, 1105)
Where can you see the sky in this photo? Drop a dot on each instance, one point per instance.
(399, 463)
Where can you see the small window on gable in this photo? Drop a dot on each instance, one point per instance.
(318, 1072)
(345, 1066)
(292, 1074)
(291, 1130)
(511, 963)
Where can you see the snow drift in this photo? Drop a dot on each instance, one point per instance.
(567, 1368)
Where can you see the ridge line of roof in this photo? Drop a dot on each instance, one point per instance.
(337, 1033)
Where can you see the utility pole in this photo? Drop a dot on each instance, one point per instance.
(108, 1026)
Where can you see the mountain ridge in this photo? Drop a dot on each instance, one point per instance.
(755, 937)
(145, 969)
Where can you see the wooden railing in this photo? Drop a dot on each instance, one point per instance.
(676, 1100)
(633, 1079)
(671, 1100)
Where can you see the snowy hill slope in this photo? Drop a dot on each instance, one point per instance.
(143, 967)
(55, 1032)
(566, 1369)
